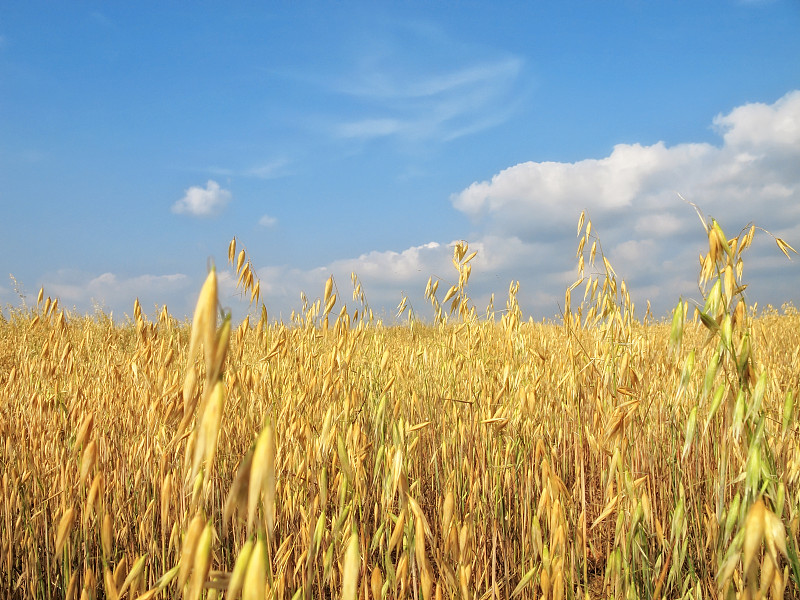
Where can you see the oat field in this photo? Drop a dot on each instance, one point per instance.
(476, 456)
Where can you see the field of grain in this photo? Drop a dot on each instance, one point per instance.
(478, 456)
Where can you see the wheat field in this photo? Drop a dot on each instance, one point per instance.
(475, 456)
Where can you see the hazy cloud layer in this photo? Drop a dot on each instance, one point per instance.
(111, 292)
(203, 202)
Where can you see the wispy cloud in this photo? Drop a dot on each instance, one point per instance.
(396, 93)
(203, 202)
(268, 170)
(271, 169)
(268, 221)
(385, 82)
(440, 106)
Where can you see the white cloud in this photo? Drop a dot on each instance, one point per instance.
(267, 221)
(525, 218)
(657, 225)
(203, 202)
(537, 194)
(110, 291)
(648, 233)
(759, 126)
(396, 267)
(383, 275)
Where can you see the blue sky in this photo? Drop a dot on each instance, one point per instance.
(137, 139)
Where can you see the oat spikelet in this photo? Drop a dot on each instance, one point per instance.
(447, 513)
(221, 350)
(84, 431)
(422, 558)
(88, 460)
(255, 580)
(775, 535)
(352, 565)
(206, 445)
(237, 495)
(754, 532)
(239, 571)
(262, 479)
(376, 583)
(64, 528)
(204, 324)
(135, 572)
(166, 495)
(190, 545)
(110, 585)
(107, 536)
(201, 563)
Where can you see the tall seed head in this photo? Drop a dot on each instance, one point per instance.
(190, 545)
(352, 565)
(239, 571)
(262, 479)
(64, 528)
(256, 578)
(204, 324)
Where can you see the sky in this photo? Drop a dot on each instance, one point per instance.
(137, 139)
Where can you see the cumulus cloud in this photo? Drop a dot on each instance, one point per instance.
(396, 267)
(759, 126)
(525, 218)
(384, 275)
(533, 196)
(756, 163)
(110, 291)
(203, 202)
(632, 194)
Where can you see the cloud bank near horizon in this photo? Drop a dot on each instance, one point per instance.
(524, 220)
